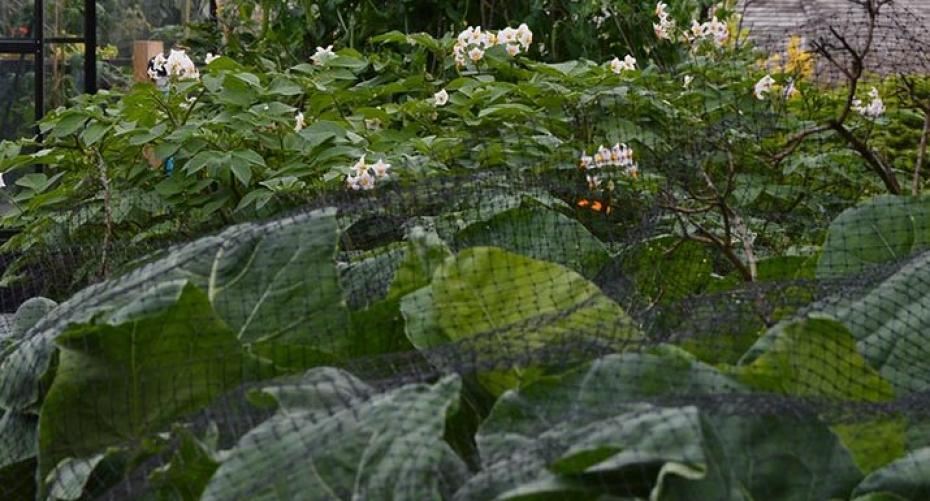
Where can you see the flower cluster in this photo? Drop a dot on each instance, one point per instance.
(299, 122)
(472, 43)
(322, 55)
(715, 30)
(627, 64)
(177, 64)
(363, 175)
(874, 109)
(620, 155)
(666, 25)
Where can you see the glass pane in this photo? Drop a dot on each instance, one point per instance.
(64, 73)
(122, 22)
(17, 95)
(64, 18)
(16, 18)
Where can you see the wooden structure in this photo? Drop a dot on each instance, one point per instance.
(142, 52)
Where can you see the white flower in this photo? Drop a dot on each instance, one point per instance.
(507, 36)
(373, 123)
(662, 10)
(586, 162)
(366, 181)
(621, 155)
(664, 28)
(472, 42)
(594, 182)
(2, 182)
(628, 64)
(465, 35)
(299, 122)
(763, 87)
(476, 37)
(180, 65)
(156, 68)
(697, 30)
(188, 102)
(359, 167)
(322, 55)
(441, 98)
(632, 171)
(661, 31)
(875, 108)
(359, 178)
(719, 30)
(381, 168)
(616, 66)
(459, 52)
(715, 29)
(688, 80)
(791, 91)
(210, 58)
(524, 36)
(602, 157)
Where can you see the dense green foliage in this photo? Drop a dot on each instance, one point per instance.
(176, 309)
(738, 186)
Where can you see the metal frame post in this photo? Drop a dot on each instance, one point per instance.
(90, 46)
(38, 35)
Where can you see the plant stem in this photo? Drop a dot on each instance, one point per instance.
(921, 155)
(107, 212)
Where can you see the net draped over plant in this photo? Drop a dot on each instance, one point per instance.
(629, 321)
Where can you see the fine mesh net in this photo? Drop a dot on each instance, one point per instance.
(517, 331)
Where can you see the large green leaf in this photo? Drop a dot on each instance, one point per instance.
(67, 480)
(812, 356)
(275, 284)
(279, 282)
(23, 369)
(425, 253)
(502, 305)
(17, 438)
(30, 313)
(558, 435)
(889, 322)
(887, 228)
(191, 466)
(379, 328)
(18, 429)
(542, 234)
(334, 437)
(125, 376)
(816, 357)
(908, 477)
(572, 457)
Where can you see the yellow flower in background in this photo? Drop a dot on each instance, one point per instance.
(798, 61)
(795, 61)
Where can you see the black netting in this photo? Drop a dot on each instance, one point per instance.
(516, 330)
